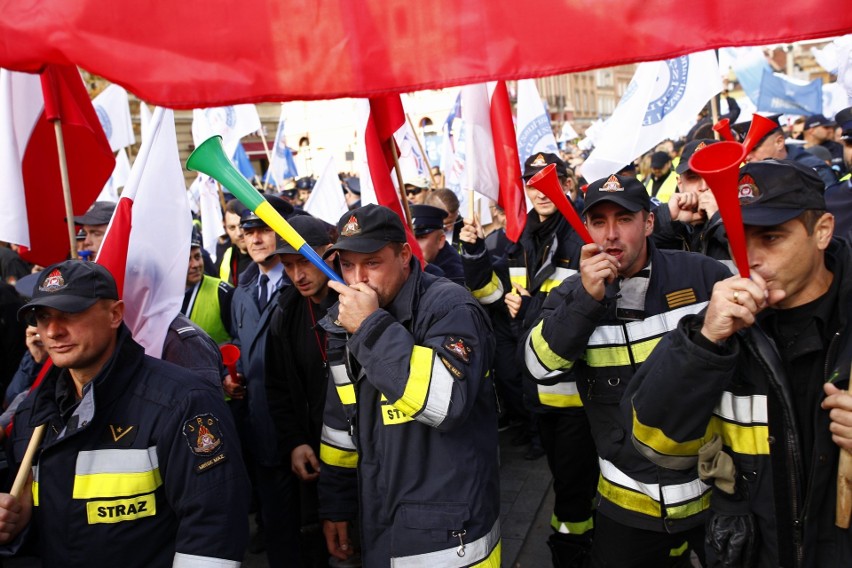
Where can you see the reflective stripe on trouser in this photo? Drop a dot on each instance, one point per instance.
(116, 473)
(681, 500)
(483, 552)
(428, 390)
(192, 561)
(337, 448)
(566, 527)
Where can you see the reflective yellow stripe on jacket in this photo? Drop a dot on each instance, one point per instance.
(489, 293)
(337, 448)
(680, 500)
(428, 389)
(116, 473)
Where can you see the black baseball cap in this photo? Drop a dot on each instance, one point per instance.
(305, 183)
(772, 192)
(817, 120)
(844, 121)
(313, 230)
(98, 214)
(660, 159)
(71, 286)
(367, 229)
(538, 162)
(249, 220)
(689, 149)
(626, 191)
(426, 219)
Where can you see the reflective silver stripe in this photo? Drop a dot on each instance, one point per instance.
(743, 409)
(673, 494)
(567, 388)
(683, 492)
(440, 392)
(615, 475)
(192, 561)
(538, 371)
(116, 461)
(337, 438)
(339, 375)
(560, 274)
(490, 297)
(474, 551)
(517, 272)
(651, 326)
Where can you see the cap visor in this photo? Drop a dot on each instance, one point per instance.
(356, 245)
(69, 304)
(286, 249)
(627, 204)
(768, 216)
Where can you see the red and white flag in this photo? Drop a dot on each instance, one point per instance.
(146, 247)
(492, 164)
(33, 212)
(379, 118)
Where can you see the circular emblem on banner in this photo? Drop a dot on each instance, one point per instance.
(106, 124)
(221, 118)
(532, 134)
(668, 91)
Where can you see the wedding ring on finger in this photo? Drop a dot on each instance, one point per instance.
(736, 296)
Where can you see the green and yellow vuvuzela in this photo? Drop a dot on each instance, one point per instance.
(209, 158)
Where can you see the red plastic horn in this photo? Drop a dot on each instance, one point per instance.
(719, 165)
(760, 127)
(230, 356)
(547, 182)
(723, 127)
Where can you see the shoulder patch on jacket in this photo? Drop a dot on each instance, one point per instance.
(680, 298)
(457, 348)
(203, 435)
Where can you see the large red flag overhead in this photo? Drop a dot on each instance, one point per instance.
(34, 207)
(194, 54)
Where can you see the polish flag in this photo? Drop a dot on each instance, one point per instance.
(491, 151)
(379, 119)
(146, 247)
(33, 211)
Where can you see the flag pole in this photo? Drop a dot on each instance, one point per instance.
(422, 152)
(401, 185)
(268, 156)
(66, 187)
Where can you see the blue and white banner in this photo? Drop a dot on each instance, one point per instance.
(663, 98)
(283, 166)
(533, 127)
(780, 94)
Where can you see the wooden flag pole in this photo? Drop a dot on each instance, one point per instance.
(66, 188)
(422, 153)
(843, 510)
(401, 185)
(27, 463)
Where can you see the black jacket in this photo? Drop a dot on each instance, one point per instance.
(130, 477)
(686, 392)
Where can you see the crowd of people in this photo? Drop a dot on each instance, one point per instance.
(692, 411)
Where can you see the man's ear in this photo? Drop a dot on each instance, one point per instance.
(116, 313)
(824, 230)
